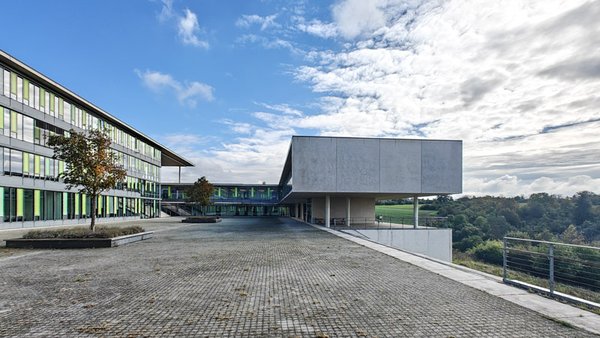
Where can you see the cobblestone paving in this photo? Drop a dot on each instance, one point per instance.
(248, 278)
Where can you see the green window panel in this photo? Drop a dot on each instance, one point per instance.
(84, 204)
(36, 134)
(13, 83)
(115, 204)
(65, 204)
(2, 112)
(52, 104)
(100, 200)
(61, 167)
(76, 204)
(13, 122)
(47, 167)
(42, 98)
(61, 107)
(25, 89)
(20, 202)
(37, 164)
(25, 162)
(37, 203)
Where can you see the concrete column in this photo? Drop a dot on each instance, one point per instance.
(327, 210)
(179, 180)
(301, 211)
(416, 211)
(347, 211)
(296, 210)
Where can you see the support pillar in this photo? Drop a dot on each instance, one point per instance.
(179, 180)
(302, 211)
(347, 211)
(416, 211)
(296, 211)
(327, 210)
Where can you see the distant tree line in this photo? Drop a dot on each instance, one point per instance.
(479, 224)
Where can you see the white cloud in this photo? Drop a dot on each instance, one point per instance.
(264, 22)
(187, 93)
(516, 80)
(354, 18)
(188, 30)
(269, 43)
(317, 28)
(166, 11)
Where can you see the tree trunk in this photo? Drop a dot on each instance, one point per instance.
(94, 198)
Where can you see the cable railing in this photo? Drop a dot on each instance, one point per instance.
(383, 222)
(558, 269)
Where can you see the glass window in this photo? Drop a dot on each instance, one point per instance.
(16, 162)
(6, 80)
(28, 204)
(58, 205)
(6, 122)
(36, 97)
(66, 111)
(27, 129)
(19, 126)
(48, 205)
(1, 83)
(6, 159)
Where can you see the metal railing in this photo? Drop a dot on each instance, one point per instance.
(384, 222)
(556, 267)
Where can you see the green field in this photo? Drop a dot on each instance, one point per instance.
(404, 211)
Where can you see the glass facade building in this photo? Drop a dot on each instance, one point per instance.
(227, 200)
(33, 107)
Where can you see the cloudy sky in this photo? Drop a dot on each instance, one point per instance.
(226, 83)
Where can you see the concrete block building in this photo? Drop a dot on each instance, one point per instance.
(338, 179)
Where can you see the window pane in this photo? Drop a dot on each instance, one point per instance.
(16, 162)
(27, 129)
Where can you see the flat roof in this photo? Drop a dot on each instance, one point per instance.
(168, 157)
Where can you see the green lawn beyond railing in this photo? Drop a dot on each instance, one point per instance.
(403, 211)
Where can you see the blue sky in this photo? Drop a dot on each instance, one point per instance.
(226, 83)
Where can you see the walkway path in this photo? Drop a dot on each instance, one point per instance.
(253, 277)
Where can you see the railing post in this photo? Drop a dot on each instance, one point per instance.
(504, 260)
(551, 273)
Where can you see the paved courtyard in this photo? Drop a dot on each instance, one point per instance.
(253, 277)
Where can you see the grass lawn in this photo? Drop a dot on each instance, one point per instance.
(404, 211)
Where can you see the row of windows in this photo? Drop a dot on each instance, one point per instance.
(18, 205)
(20, 163)
(224, 193)
(24, 128)
(24, 91)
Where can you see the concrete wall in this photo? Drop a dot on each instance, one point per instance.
(435, 243)
(359, 207)
(362, 165)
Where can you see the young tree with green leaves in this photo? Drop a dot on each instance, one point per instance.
(200, 192)
(92, 166)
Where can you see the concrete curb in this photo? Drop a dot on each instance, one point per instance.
(490, 284)
(77, 243)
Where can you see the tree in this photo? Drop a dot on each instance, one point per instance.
(92, 166)
(200, 192)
